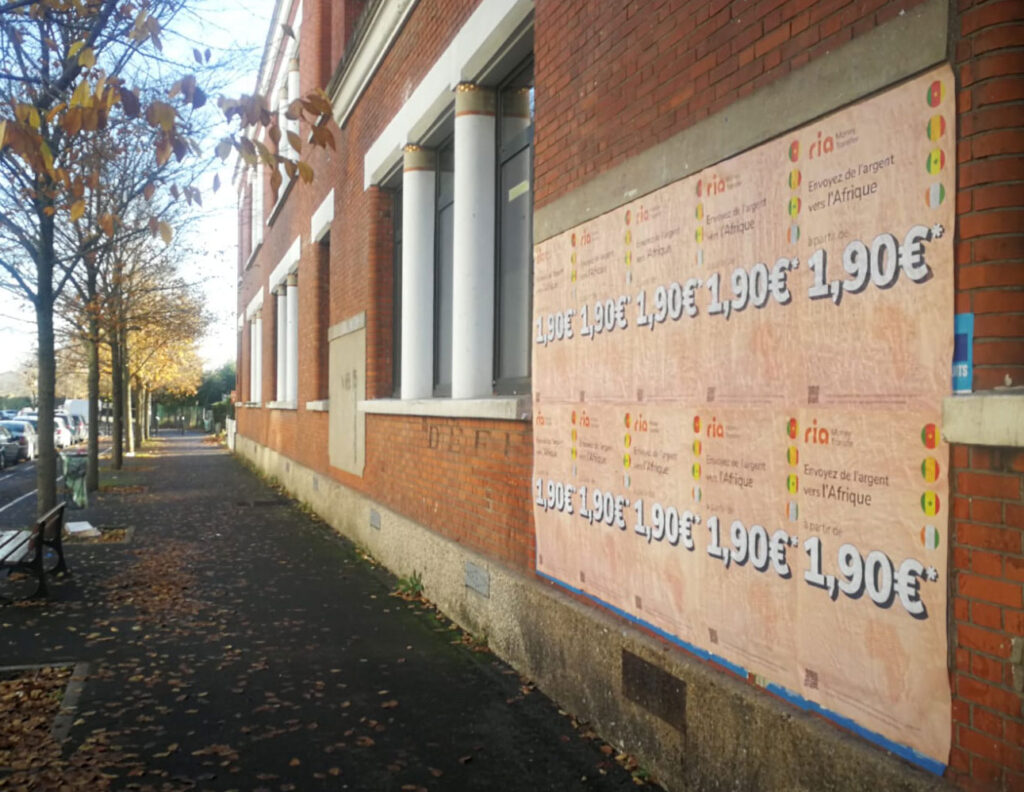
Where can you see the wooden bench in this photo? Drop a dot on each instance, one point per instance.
(24, 550)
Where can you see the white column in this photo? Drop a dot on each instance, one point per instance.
(284, 147)
(418, 185)
(473, 259)
(282, 344)
(292, 347)
(252, 360)
(293, 91)
(259, 355)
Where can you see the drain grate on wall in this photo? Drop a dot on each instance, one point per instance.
(654, 689)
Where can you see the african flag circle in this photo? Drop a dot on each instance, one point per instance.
(936, 161)
(936, 127)
(934, 96)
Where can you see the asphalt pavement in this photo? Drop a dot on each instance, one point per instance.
(236, 642)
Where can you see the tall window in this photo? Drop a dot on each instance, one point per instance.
(514, 232)
(444, 250)
(323, 308)
(396, 316)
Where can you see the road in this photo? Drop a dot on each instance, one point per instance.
(18, 492)
(17, 495)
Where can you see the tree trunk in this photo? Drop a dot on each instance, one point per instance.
(117, 402)
(92, 470)
(148, 420)
(129, 423)
(46, 467)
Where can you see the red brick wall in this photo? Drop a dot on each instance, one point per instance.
(988, 612)
(467, 480)
(665, 66)
(990, 157)
(988, 483)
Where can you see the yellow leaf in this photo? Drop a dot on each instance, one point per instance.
(77, 210)
(72, 121)
(165, 232)
(81, 95)
(44, 149)
(295, 141)
(3, 133)
(75, 48)
(87, 58)
(163, 152)
(305, 172)
(53, 112)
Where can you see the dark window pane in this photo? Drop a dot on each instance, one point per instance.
(443, 279)
(396, 323)
(514, 268)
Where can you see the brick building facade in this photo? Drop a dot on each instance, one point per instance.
(384, 372)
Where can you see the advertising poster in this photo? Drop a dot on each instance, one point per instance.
(738, 383)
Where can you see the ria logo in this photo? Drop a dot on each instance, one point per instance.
(712, 185)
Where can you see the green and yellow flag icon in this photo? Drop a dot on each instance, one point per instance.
(930, 503)
(936, 161)
(792, 455)
(936, 127)
(794, 179)
(792, 484)
(930, 469)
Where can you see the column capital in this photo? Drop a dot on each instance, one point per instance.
(417, 158)
(473, 99)
(293, 278)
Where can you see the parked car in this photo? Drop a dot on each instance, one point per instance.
(9, 448)
(25, 434)
(62, 434)
(76, 427)
(81, 426)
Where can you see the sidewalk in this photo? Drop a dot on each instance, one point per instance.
(236, 643)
